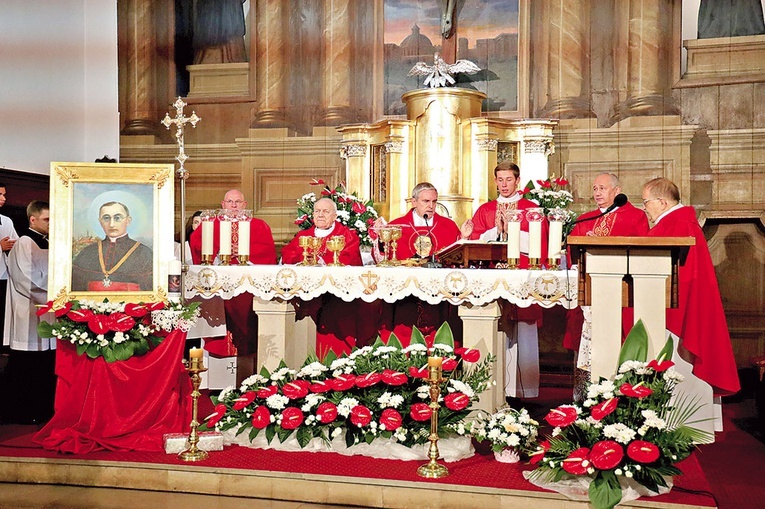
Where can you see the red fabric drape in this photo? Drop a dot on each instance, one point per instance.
(120, 406)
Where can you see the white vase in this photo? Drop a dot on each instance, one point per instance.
(507, 456)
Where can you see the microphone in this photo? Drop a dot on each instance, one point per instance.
(619, 201)
(432, 263)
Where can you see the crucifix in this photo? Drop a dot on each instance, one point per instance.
(449, 14)
(179, 121)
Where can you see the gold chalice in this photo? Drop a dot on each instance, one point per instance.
(395, 235)
(315, 248)
(385, 236)
(305, 243)
(336, 244)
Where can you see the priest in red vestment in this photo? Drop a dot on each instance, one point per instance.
(241, 320)
(699, 320)
(340, 325)
(423, 233)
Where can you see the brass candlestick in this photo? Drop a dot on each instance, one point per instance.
(512, 263)
(207, 259)
(433, 469)
(535, 263)
(242, 259)
(224, 259)
(193, 453)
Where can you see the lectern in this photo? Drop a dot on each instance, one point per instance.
(646, 269)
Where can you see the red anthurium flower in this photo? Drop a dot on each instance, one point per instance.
(63, 310)
(261, 418)
(136, 310)
(660, 366)
(265, 392)
(317, 182)
(636, 391)
(319, 387)
(606, 454)
(545, 184)
(561, 182)
(296, 390)
(292, 417)
(44, 309)
(245, 399)
(368, 380)
(390, 419)
(79, 315)
(218, 412)
(360, 416)
(99, 324)
(604, 408)
(326, 192)
(562, 416)
(456, 401)
(537, 456)
(523, 191)
(120, 322)
(155, 306)
(420, 412)
(342, 382)
(301, 219)
(577, 462)
(468, 354)
(449, 364)
(358, 207)
(394, 378)
(642, 451)
(418, 373)
(326, 412)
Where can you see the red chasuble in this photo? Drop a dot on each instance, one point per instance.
(350, 255)
(625, 221)
(443, 233)
(700, 320)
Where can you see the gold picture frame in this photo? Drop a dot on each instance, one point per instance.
(81, 197)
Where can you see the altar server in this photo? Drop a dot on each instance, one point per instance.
(8, 237)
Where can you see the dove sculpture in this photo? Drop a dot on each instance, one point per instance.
(440, 74)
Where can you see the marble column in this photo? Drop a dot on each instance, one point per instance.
(567, 82)
(271, 63)
(336, 79)
(139, 68)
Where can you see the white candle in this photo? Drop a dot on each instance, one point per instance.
(555, 239)
(535, 239)
(243, 247)
(225, 238)
(514, 239)
(207, 238)
(174, 267)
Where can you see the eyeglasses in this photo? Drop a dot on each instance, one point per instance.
(117, 218)
(233, 202)
(645, 202)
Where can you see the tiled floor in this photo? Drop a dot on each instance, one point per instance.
(42, 496)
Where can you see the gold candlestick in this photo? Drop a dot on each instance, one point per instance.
(433, 469)
(224, 259)
(242, 259)
(193, 453)
(535, 263)
(512, 263)
(207, 259)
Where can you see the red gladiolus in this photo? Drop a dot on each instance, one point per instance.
(136, 310)
(456, 401)
(468, 354)
(537, 456)
(245, 399)
(296, 390)
(358, 207)
(639, 391)
(418, 373)
(218, 412)
(642, 451)
(319, 387)
(448, 364)
(360, 416)
(342, 382)
(390, 419)
(99, 324)
(660, 367)
(326, 412)
(120, 322)
(561, 416)
(265, 392)
(604, 408)
(261, 418)
(420, 412)
(79, 315)
(292, 417)
(368, 380)
(394, 378)
(606, 454)
(577, 462)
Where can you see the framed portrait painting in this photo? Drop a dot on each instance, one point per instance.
(111, 231)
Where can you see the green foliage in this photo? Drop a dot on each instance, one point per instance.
(635, 347)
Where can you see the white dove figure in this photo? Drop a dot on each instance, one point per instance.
(440, 73)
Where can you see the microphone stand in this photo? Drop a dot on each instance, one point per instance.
(432, 263)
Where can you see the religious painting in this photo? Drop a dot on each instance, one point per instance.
(108, 236)
(487, 34)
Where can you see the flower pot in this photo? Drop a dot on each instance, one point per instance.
(507, 456)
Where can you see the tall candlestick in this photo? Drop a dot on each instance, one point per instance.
(535, 239)
(243, 247)
(435, 362)
(207, 237)
(225, 238)
(555, 239)
(514, 240)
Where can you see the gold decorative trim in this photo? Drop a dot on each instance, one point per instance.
(65, 174)
(160, 177)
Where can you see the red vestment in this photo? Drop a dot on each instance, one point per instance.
(340, 325)
(624, 221)
(241, 320)
(443, 233)
(699, 320)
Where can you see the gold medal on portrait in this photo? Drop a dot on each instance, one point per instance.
(423, 245)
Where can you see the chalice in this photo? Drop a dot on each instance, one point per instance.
(315, 248)
(385, 236)
(305, 243)
(395, 235)
(336, 244)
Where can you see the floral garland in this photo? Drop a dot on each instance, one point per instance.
(115, 330)
(352, 211)
(375, 391)
(627, 428)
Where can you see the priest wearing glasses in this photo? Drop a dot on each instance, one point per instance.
(116, 263)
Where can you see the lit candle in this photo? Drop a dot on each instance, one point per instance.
(207, 238)
(243, 247)
(435, 362)
(535, 239)
(555, 239)
(225, 238)
(514, 239)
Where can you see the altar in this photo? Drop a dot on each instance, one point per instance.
(475, 291)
